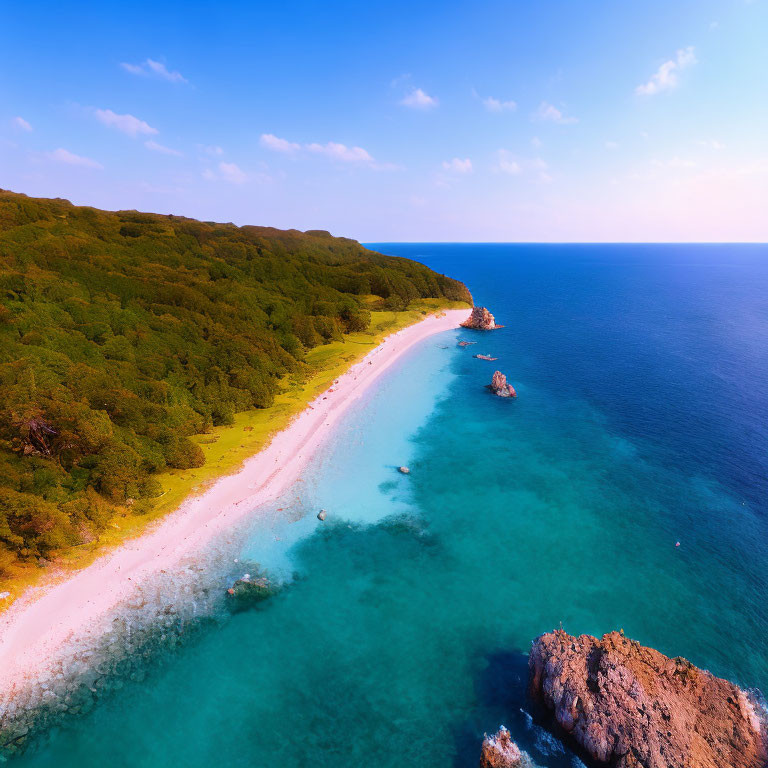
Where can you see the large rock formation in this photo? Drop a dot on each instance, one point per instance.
(481, 319)
(628, 706)
(500, 387)
(499, 751)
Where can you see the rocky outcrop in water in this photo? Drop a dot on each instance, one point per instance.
(248, 591)
(628, 706)
(500, 387)
(481, 320)
(499, 751)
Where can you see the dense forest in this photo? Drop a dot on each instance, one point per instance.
(122, 334)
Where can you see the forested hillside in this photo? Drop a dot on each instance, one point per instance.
(122, 334)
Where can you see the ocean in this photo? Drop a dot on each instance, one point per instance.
(401, 630)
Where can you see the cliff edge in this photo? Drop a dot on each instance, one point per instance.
(628, 706)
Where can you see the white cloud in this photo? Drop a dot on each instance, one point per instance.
(134, 69)
(276, 144)
(549, 113)
(70, 158)
(686, 57)
(507, 163)
(419, 99)
(666, 76)
(536, 142)
(611, 145)
(332, 150)
(534, 168)
(457, 165)
(124, 123)
(232, 173)
(539, 167)
(212, 150)
(152, 67)
(163, 150)
(229, 172)
(496, 105)
(342, 152)
(160, 69)
(21, 123)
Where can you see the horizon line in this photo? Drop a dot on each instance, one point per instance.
(562, 242)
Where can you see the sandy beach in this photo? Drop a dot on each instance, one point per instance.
(37, 629)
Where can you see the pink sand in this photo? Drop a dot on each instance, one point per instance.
(36, 629)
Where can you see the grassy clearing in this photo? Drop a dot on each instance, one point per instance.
(226, 448)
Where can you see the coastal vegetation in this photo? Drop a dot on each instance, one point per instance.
(128, 340)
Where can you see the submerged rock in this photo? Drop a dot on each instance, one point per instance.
(500, 387)
(499, 751)
(481, 319)
(247, 591)
(412, 531)
(321, 515)
(628, 706)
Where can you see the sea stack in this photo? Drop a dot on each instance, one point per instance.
(499, 751)
(628, 706)
(500, 387)
(481, 320)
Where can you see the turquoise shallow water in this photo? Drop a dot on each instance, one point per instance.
(401, 632)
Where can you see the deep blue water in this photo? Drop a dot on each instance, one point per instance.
(401, 634)
(669, 342)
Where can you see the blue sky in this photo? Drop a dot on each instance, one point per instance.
(473, 121)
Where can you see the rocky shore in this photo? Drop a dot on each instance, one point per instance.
(499, 751)
(157, 619)
(481, 320)
(623, 705)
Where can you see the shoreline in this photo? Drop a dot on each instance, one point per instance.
(36, 631)
(225, 448)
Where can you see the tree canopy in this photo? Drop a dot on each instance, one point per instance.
(123, 333)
